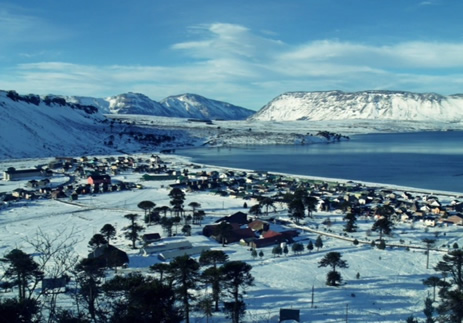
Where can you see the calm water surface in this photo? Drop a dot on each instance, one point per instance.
(431, 160)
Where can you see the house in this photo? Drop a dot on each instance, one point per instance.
(19, 192)
(172, 245)
(271, 234)
(455, 219)
(12, 174)
(109, 256)
(259, 225)
(58, 194)
(430, 221)
(289, 314)
(238, 217)
(55, 284)
(238, 234)
(96, 179)
(262, 243)
(171, 254)
(150, 237)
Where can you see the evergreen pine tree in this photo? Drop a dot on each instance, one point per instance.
(310, 246)
(319, 243)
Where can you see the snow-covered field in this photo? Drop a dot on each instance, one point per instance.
(389, 287)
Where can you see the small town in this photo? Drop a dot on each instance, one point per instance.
(275, 216)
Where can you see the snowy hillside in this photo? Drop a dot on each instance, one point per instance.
(195, 106)
(178, 106)
(135, 103)
(34, 126)
(31, 126)
(367, 105)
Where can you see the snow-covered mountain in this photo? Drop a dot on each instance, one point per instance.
(367, 105)
(196, 106)
(178, 106)
(34, 126)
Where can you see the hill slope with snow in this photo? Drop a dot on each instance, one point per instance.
(367, 105)
(34, 126)
(178, 106)
(195, 106)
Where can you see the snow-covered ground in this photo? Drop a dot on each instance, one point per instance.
(389, 287)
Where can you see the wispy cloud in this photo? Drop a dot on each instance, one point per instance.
(227, 40)
(232, 63)
(21, 28)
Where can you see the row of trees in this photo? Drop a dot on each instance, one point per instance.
(168, 296)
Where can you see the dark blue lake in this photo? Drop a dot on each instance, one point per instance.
(430, 160)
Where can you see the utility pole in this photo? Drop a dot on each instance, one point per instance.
(347, 313)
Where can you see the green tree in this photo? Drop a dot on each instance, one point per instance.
(177, 199)
(15, 311)
(381, 245)
(97, 240)
(254, 253)
(310, 202)
(297, 248)
(350, 224)
(194, 206)
(285, 250)
(333, 260)
(255, 210)
(198, 217)
(452, 265)
(296, 209)
(146, 206)
(184, 272)
(385, 211)
(206, 306)
(261, 254)
(310, 245)
(89, 276)
(434, 282)
(167, 224)
(450, 308)
(223, 231)
(237, 276)
(267, 202)
(212, 258)
(141, 299)
(161, 269)
(186, 230)
(412, 319)
(212, 274)
(428, 310)
(277, 251)
(132, 231)
(68, 316)
(164, 210)
(22, 270)
(383, 225)
(319, 243)
(108, 231)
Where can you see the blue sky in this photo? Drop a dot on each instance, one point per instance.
(242, 52)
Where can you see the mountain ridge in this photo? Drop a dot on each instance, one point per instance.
(368, 105)
(179, 106)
